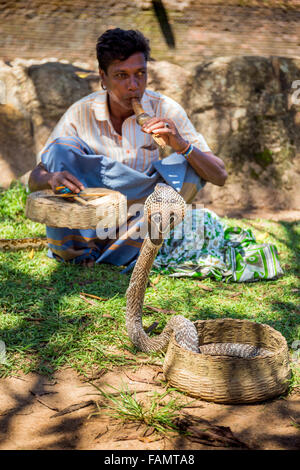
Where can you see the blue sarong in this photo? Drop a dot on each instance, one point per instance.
(98, 171)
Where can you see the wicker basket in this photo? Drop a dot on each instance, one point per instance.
(224, 379)
(108, 211)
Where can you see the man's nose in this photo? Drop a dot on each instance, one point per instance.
(133, 83)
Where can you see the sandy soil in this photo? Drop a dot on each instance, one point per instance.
(30, 402)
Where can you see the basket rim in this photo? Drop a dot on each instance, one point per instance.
(193, 354)
(45, 207)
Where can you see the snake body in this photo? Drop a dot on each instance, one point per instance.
(163, 209)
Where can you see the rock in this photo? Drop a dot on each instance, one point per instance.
(242, 107)
(54, 88)
(17, 154)
(169, 79)
(33, 96)
(57, 87)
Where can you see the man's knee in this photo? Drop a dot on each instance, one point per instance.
(189, 191)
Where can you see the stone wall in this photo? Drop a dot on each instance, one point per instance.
(181, 31)
(244, 108)
(242, 105)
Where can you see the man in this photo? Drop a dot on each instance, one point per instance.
(97, 143)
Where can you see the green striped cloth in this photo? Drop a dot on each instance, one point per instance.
(204, 245)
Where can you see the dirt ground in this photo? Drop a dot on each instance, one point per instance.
(30, 402)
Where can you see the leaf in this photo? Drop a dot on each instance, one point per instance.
(153, 286)
(204, 287)
(156, 280)
(93, 296)
(75, 407)
(97, 375)
(148, 440)
(31, 254)
(92, 75)
(91, 302)
(235, 294)
(82, 74)
(42, 402)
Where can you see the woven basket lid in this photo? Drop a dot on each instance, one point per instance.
(106, 211)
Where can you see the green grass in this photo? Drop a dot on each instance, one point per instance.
(46, 325)
(154, 413)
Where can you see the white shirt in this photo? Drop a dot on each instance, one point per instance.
(89, 119)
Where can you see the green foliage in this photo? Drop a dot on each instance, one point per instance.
(12, 202)
(264, 158)
(157, 414)
(12, 214)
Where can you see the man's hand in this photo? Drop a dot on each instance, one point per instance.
(40, 179)
(64, 178)
(166, 129)
(207, 165)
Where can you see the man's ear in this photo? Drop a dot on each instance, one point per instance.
(102, 73)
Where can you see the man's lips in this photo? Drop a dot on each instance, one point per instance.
(129, 98)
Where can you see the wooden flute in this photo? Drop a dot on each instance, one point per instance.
(142, 118)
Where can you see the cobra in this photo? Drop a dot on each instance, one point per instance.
(164, 209)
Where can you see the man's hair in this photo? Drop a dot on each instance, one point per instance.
(119, 44)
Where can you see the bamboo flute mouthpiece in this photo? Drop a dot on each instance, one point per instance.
(142, 118)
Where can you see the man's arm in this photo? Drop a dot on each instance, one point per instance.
(207, 165)
(40, 179)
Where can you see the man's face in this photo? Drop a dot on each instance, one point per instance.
(125, 79)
